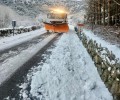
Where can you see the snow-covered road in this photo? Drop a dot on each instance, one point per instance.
(69, 74)
(8, 68)
(9, 42)
(13, 51)
(12, 60)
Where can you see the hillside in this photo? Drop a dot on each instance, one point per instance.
(32, 9)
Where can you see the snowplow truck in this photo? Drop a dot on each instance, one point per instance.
(56, 22)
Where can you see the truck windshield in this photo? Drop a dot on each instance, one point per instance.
(56, 16)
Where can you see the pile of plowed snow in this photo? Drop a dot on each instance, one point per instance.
(69, 74)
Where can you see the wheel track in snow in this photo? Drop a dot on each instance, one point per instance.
(8, 88)
(11, 52)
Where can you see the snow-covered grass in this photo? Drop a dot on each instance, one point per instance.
(11, 65)
(113, 48)
(69, 74)
(8, 42)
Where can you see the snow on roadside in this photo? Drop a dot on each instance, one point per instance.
(12, 41)
(69, 74)
(11, 65)
(113, 48)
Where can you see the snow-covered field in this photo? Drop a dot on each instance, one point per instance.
(114, 48)
(69, 74)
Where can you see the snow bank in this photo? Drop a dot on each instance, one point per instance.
(12, 41)
(113, 48)
(69, 74)
(10, 66)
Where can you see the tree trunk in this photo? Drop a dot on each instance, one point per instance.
(104, 12)
(94, 12)
(99, 11)
(109, 12)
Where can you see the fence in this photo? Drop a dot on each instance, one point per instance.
(107, 64)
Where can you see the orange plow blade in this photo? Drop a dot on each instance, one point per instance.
(63, 27)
